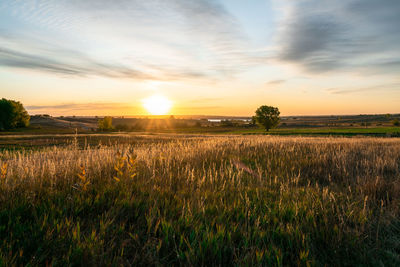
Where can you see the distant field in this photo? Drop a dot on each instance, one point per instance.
(328, 131)
(173, 199)
(377, 131)
(47, 137)
(370, 125)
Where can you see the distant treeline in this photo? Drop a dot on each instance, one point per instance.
(127, 124)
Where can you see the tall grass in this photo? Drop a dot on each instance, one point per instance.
(256, 200)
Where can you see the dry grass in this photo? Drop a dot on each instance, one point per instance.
(204, 200)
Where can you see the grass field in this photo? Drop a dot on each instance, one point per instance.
(201, 200)
(344, 131)
(315, 131)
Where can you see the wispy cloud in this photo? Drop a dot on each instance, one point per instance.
(121, 39)
(276, 82)
(391, 86)
(341, 35)
(80, 65)
(77, 107)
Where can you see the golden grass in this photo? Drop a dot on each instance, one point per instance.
(208, 200)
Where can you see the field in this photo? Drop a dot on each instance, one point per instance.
(350, 125)
(199, 200)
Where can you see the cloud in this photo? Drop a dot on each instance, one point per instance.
(81, 65)
(275, 82)
(67, 107)
(123, 38)
(341, 35)
(390, 86)
(21, 60)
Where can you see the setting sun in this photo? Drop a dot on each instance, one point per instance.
(157, 105)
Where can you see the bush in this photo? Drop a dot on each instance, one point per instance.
(105, 124)
(12, 115)
(396, 122)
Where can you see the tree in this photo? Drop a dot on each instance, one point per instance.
(396, 122)
(105, 124)
(267, 117)
(12, 115)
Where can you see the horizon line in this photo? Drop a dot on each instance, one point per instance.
(202, 115)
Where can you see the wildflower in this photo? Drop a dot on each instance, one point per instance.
(3, 170)
(84, 182)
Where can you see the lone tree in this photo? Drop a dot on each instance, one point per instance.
(12, 115)
(267, 117)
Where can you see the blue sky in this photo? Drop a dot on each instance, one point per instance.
(227, 57)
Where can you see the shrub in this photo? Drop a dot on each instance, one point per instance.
(12, 115)
(105, 124)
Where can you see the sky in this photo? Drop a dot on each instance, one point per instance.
(208, 57)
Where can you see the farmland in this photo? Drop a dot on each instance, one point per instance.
(172, 199)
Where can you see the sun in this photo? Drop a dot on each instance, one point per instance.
(157, 105)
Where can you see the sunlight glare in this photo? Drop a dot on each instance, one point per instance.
(157, 105)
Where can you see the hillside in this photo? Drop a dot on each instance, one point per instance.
(53, 122)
